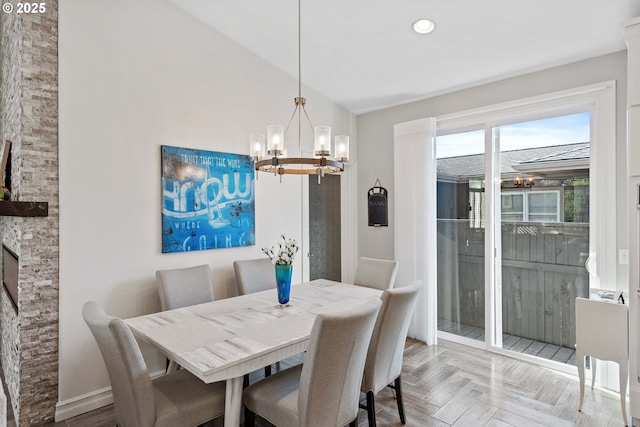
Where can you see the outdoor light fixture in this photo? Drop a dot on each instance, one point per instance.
(273, 158)
(529, 181)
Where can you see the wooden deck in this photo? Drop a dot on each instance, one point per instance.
(514, 343)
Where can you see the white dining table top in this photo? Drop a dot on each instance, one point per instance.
(231, 337)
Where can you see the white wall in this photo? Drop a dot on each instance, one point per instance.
(134, 76)
(375, 133)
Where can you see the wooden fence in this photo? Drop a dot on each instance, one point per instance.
(542, 274)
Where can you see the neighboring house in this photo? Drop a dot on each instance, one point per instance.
(545, 184)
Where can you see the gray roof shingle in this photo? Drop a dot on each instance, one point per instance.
(472, 166)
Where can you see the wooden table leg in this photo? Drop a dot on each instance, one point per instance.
(233, 402)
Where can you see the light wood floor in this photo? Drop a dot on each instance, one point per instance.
(454, 385)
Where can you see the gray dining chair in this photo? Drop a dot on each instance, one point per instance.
(383, 364)
(324, 390)
(255, 275)
(182, 287)
(376, 273)
(173, 400)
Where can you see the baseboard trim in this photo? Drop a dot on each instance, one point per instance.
(82, 404)
(87, 402)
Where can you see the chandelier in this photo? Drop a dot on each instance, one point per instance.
(270, 155)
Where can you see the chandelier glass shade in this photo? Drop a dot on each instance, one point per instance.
(270, 155)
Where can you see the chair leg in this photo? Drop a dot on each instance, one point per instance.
(245, 381)
(593, 370)
(580, 363)
(267, 371)
(398, 388)
(354, 423)
(249, 417)
(371, 409)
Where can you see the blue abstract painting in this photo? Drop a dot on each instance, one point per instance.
(207, 200)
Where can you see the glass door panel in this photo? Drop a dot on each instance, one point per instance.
(544, 235)
(461, 234)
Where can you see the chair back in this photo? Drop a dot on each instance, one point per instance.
(376, 273)
(182, 287)
(254, 275)
(384, 357)
(133, 394)
(602, 329)
(333, 365)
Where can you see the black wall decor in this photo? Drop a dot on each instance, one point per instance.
(378, 208)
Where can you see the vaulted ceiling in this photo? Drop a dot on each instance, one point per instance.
(363, 54)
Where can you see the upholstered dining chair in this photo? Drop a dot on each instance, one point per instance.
(182, 287)
(376, 273)
(255, 275)
(383, 364)
(173, 400)
(323, 391)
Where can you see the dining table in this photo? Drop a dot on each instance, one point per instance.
(225, 339)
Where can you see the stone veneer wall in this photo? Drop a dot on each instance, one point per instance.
(29, 119)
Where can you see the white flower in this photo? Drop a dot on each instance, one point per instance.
(285, 253)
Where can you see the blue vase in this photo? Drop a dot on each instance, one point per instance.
(283, 279)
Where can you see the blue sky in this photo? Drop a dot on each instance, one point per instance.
(539, 133)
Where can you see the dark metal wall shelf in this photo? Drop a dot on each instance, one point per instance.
(25, 209)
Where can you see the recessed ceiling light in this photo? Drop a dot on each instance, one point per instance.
(423, 26)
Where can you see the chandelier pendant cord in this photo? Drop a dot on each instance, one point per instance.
(319, 162)
(299, 52)
(299, 101)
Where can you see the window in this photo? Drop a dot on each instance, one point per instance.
(538, 206)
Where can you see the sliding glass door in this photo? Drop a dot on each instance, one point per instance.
(511, 253)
